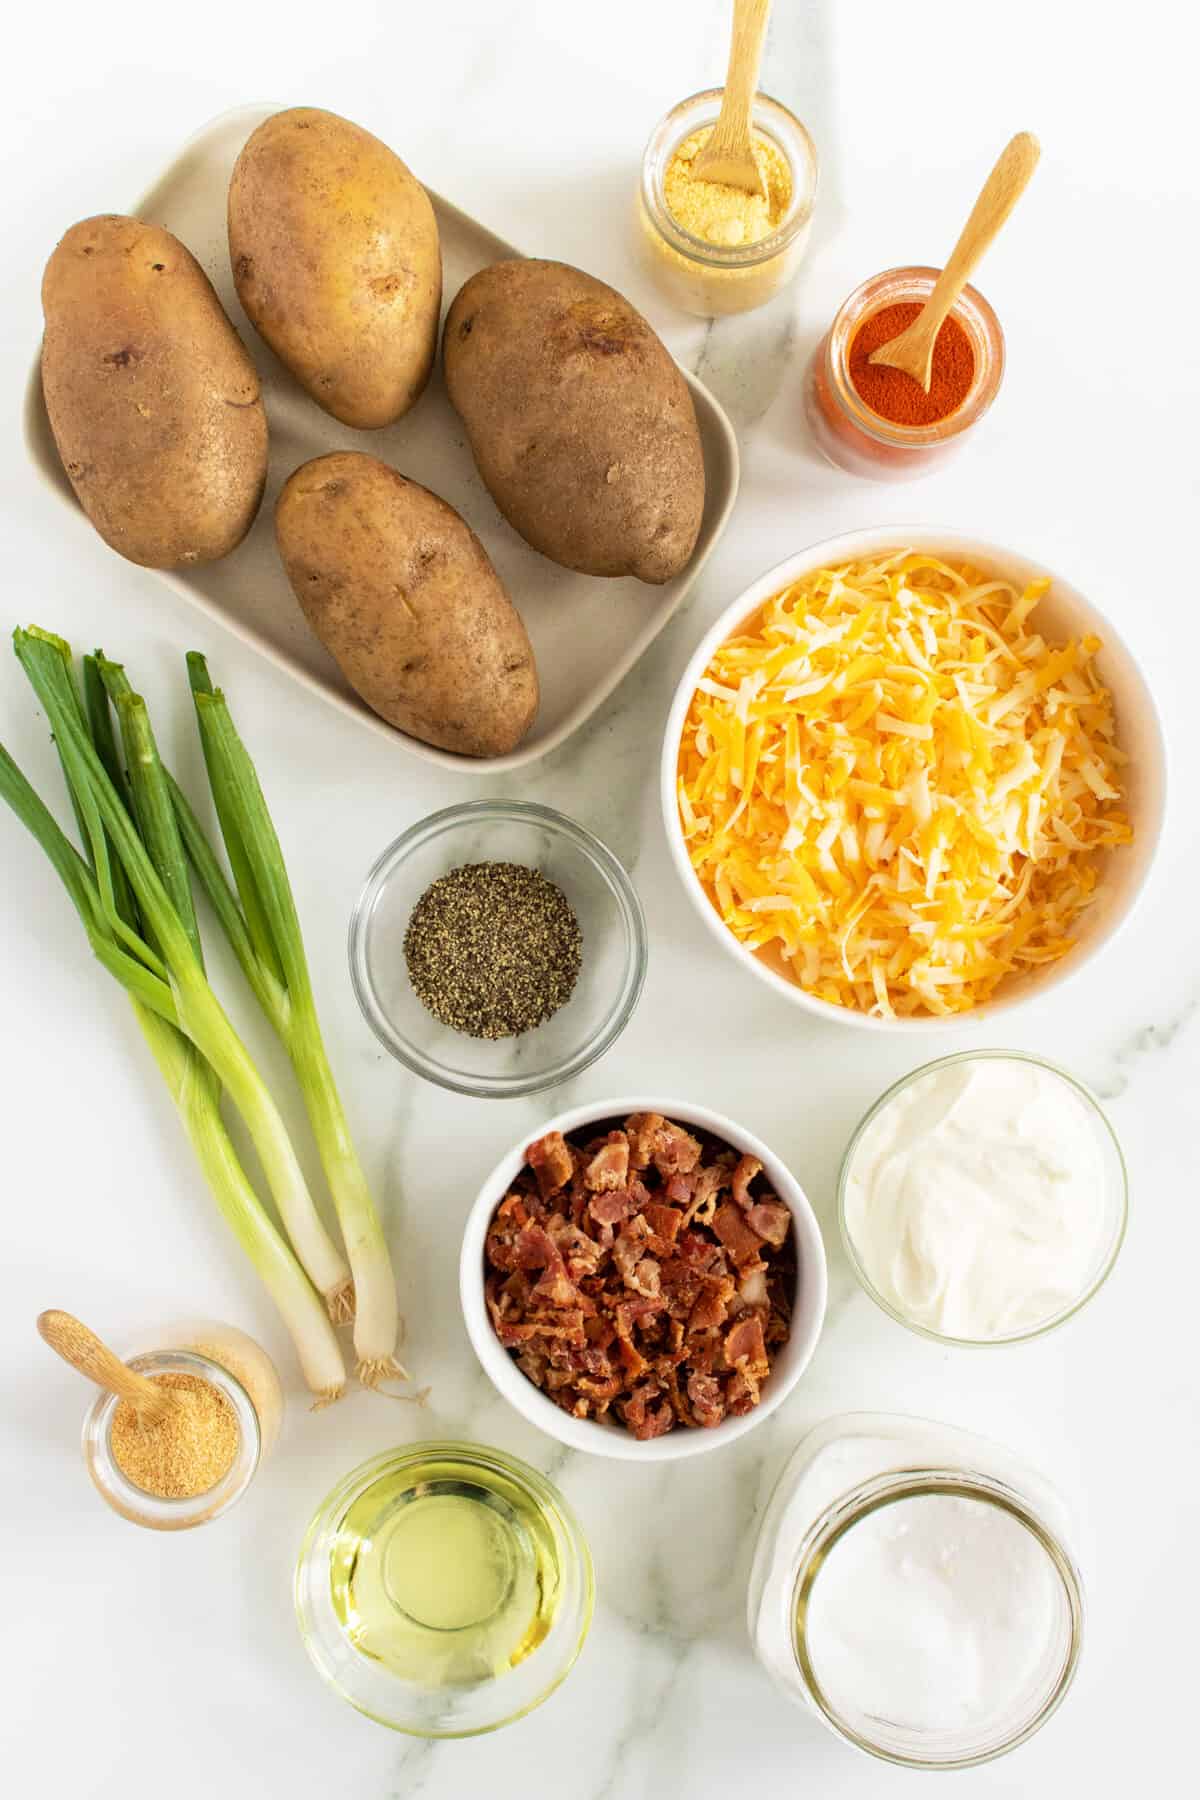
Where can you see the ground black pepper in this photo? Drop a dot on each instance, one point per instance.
(493, 949)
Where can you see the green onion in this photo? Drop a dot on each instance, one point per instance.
(263, 928)
(126, 909)
(197, 1011)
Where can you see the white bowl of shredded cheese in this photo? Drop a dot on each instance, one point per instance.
(910, 777)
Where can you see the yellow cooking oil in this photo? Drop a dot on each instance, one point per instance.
(445, 1573)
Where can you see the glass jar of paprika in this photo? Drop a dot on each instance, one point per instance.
(878, 422)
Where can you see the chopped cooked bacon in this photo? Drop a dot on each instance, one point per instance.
(631, 1246)
(680, 1188)
(734, 1234)
(500, 1249)
(643, 1130)
(752, 1288)
(644, 1418)
(600, 1332)
(681, 1285)
(676, 1151)
(564, 1325)
(580, 1252)
(534, 1248)
(550, 1159)
(534, 1364)
(609, 1167)
(556, 1286)
(645, 1278)
(626, 1288)
(707, 1182)
(698, 1252)
(656, 1423)
(604, 1390)
(747, 1168)
(628, 1313)
(708, 1402)
(664, 1223)
(712, 1307)
(771, 1220)
(744, 1346)
(742, 1393)
(513, 1335)
(611, 1209)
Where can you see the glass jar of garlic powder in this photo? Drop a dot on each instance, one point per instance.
(233, 1425)
(712, 249)
(914, 1587)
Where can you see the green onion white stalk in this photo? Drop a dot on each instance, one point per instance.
(196, 1092)
(127, 910)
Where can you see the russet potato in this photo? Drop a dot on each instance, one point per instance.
(152, 398)
(405, 599)
(580, 422)
(335, 256)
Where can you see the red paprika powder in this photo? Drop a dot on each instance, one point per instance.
(894, 395)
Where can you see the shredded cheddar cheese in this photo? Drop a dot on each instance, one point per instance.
(894, 789)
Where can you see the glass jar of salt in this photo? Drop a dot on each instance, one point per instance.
(912, 1585)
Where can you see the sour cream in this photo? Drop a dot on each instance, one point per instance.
(937, 1612)
(916, 1587)
(981, 1199)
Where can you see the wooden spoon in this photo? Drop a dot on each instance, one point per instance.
(912, 351)
(85, 1352)
(728, 156)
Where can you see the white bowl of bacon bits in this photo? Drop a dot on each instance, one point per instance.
(643, 1279)
(911, 778)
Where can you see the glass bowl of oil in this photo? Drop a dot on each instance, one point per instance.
(444, 1589)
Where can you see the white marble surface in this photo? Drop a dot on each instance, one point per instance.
(140, 1666)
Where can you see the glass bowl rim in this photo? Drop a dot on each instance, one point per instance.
(546, 1491)
(730, 256)
(866, 1497)
(1108, 1261)
(602, 860)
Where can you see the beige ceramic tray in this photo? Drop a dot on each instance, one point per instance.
(587, 633)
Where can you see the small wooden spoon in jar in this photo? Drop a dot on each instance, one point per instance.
(912, 350)
(728, 156)
(85, 1352)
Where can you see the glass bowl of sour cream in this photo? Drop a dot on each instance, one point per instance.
(983, 1198)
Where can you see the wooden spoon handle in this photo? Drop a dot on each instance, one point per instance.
(85, 1352)
(741, 79)
(999, 194)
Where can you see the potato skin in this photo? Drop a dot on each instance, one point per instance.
(580, 422)
(405, 599)
(152, 398)
(335, 256)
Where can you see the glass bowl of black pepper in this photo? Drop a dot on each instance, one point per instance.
(497, 948)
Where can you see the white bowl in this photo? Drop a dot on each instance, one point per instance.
(595, 1435)
(1064, 613)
